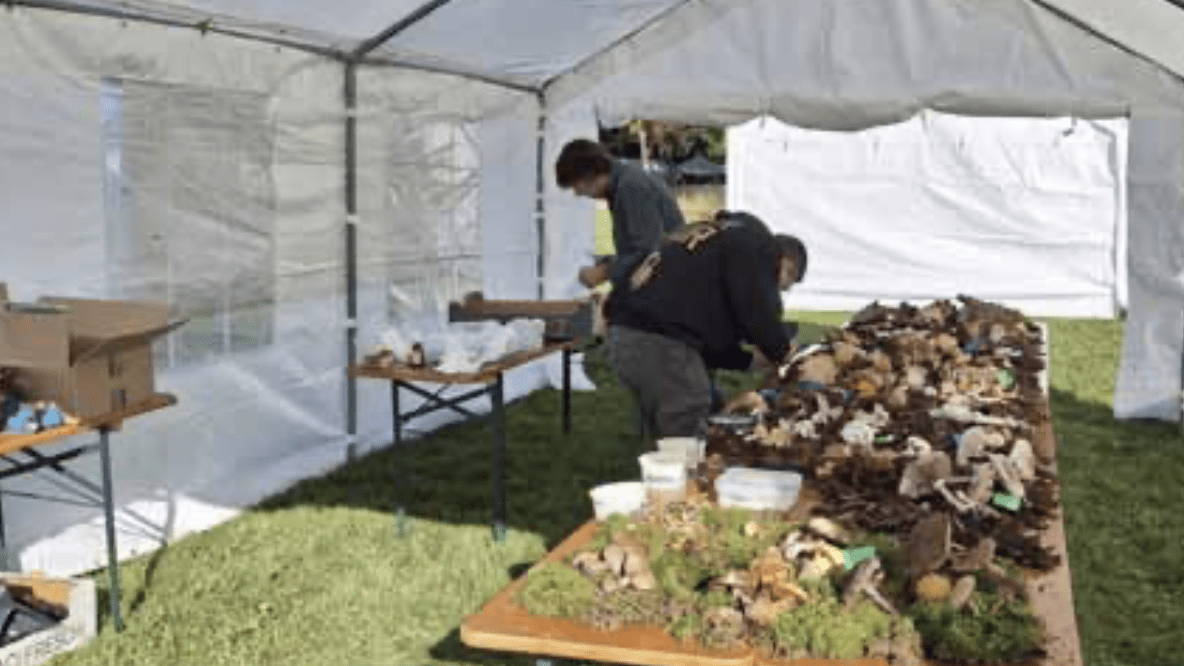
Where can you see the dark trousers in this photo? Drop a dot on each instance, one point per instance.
(666, 376)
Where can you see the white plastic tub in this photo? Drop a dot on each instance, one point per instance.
(664, 474)
(758, 489)
(625, 497)
(691, 448)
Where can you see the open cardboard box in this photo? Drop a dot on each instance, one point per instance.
(76, 596)
(91, 357)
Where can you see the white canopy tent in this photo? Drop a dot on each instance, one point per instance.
(272, 168)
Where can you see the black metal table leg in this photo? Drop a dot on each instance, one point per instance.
(497, 424)
(400, 458)
(109, 511)
(3, 543)
(567, 391)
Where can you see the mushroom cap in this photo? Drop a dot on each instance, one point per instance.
(933, 587)
(927, 546)
(962, 592)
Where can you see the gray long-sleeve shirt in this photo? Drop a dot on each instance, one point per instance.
(643, 210)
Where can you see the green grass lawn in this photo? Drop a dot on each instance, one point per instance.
(316, 575)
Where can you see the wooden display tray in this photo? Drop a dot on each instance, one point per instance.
(10, 443)
(501, 625)
(486, 374)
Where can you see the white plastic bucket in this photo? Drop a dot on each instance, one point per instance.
(624, 497)
(691, 448)
(664, 474)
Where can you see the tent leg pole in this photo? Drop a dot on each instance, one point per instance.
(351, 247)
(540, 191)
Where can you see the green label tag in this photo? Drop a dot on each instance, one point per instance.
(884, 439)
(1005, 378)
(854, 556)
(1006, 501)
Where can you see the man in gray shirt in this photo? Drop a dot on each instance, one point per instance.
(642, 207)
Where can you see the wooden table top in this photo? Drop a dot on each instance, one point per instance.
(503, 626)
(11, 443)
(486, 374)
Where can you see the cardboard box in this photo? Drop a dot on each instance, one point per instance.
(91, 357)
(78, 629)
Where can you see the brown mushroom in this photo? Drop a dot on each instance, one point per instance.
(962, 592)
(819, 368)
(828, 529)
(918, 477)
(933, 587)
(863, 582)
(976, 559)
(927, 545)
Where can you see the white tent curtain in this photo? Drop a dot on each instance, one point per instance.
(1028, 212)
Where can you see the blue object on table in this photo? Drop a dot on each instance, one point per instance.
(770, 394)
(973, 346)
(20, 423)
(810, 386)
(52, 418)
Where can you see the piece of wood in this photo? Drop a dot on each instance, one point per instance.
(486, 374)
(11, 443)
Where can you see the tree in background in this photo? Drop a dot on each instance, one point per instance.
(669, 142)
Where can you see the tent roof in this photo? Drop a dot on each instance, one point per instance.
(527, 44)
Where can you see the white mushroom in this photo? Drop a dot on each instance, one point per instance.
(863, 581)
(917, 446)
(984, 482)
(1023, 459)
(962, 592)
(828, 529)
(1008, 475)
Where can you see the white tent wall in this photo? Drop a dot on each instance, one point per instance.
(848, 64)
(1029, 212)
(160, 162)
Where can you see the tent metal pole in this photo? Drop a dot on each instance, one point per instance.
(351, 246)
(402, 24)
(207, 26)
(540, 213)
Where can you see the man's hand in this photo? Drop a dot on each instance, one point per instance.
(593, 276)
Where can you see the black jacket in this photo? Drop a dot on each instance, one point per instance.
(713, 287)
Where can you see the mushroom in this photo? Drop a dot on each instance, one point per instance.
(959, 501)
(933, 587)
(589, 563)
(643, 580)
(984, 482)
(859, 433)
(762, 612)
(915, 446)
(614, 556)
(975, 442)
(846, 353)
(916, 377)
(927, 546)
(899, 398)
(750, 402)
(863, 581)
(881, 361)
(977, 558)
(819, 368)
(919, 475)
(1023, 459)
(1009, 476)
(962, 592)
(635, 560)
(828, 529)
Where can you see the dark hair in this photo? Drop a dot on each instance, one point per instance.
(581, 159)
(795, 250)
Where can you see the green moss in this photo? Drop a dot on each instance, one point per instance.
(678, 574)
(557, 590)
(827, 630)
(990, 629)
(716, 600)
(633, 606)
(686, 626)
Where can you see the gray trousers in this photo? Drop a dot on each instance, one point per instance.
(666, 376)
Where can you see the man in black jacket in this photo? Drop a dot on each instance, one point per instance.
(692, 305)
